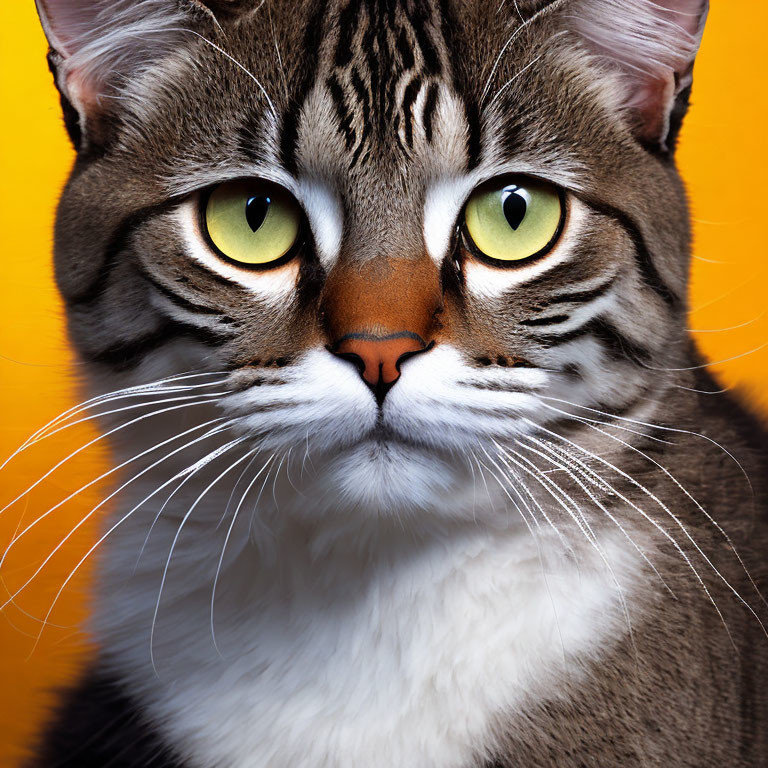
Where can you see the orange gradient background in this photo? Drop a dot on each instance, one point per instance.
(723, 159)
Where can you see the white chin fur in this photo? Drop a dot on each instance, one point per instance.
(414, 455)
(388, 477)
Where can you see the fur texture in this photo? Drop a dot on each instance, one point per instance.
(522, 550)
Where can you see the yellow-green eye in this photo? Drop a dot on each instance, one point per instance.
(253, 223)
(514, 219)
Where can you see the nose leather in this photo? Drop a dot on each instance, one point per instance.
(380, 356)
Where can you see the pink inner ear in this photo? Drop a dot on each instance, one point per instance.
(105, 42)
(67, 22)
(653, 43)
(687, 14)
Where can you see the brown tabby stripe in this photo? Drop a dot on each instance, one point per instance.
(181, 301)
(579, 297)
(124, 355)
(643, 257)
(616, 344)
(117, 245)
(314, 34)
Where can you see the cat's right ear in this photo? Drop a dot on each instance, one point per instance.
(97, 48)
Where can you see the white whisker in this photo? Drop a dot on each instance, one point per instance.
(678, 430)
(226, 541)
(655, 524)
(97, 507)
(188, 514)
(685, 491)
(125, 517)
(554, 459)
(524, 26)
(238, 65)
(135, 391)
(96, 440)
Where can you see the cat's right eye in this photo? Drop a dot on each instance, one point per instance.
(252, 223)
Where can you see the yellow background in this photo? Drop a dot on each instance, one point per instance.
(724, 161)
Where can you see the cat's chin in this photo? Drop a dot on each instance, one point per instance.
(386, 477)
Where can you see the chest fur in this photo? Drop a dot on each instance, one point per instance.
(417, 660)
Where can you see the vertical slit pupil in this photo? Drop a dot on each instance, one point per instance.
(515, 208)
(256, 210)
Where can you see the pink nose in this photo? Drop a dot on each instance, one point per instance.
(378, 357)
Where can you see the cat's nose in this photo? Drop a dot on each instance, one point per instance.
(379, 313)
(378, 356)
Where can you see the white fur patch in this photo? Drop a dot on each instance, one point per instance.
(345, 637)
(407, 655)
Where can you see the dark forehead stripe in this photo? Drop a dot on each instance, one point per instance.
(313, 36)
(377, 59)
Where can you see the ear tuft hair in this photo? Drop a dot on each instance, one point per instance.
(653, 44)
(97, 45)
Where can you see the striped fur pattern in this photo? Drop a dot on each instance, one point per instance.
(473, 567)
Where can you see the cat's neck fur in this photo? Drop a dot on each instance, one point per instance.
(416, 645)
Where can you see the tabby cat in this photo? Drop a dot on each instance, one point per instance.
(382, 305)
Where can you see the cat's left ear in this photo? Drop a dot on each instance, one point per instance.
(653, 44)
(100, 46)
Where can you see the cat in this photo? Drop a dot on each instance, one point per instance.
(382, 309)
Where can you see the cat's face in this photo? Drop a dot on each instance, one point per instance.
(405, 231)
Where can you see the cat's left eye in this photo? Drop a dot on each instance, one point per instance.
(253, 223)
(514, 219)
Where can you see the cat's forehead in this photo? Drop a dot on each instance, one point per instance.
(374, 106)
(364, 96)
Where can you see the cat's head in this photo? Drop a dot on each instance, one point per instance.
(405, 233)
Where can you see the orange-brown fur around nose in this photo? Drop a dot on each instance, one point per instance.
(382, 310)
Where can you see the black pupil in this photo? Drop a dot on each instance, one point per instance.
(256, 211)
(515, 207)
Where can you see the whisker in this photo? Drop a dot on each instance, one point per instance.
(238, 65)
(226, 541)
(554, 459)
(125, 517)
(235, 486)
(506, 492)
(732, 327)
(258, 542)
(524, 26)
(485, 483)
(578, 517)
(530, 64)
(97, 507)
(709, 364)
(96, 440)
(186, 475)
(135, 391)
(231, 444)
(126, 408)
(705, 391)
(566, 544)
(535, 538)
(652, 426)
(685, 491)
(664, 532)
